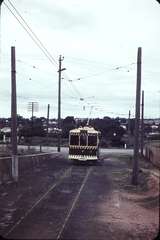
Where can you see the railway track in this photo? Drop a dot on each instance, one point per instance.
(82, 201)
(50, 213)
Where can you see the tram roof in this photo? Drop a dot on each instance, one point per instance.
(88, 129)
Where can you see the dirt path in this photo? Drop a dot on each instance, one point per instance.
(132, 211)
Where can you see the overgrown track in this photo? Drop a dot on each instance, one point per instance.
(52, 210)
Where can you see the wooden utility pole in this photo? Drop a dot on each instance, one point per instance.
(129, 128)
(32, 112)
(142, 124)
(48, 110)
(14, 116)
(137, 119)
(59, 102)
(0, 29)
(32, 107)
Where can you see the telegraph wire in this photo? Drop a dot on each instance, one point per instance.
(44, 50)
(108, 66)
(18, 13)
(73, 88)
(66, 77)
(39, 44)
(86, 61)
(35, 41)
(107, 70)
(78, 92)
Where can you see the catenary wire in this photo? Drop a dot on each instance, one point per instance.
(38, 44)
(41, 46)
(18, 13)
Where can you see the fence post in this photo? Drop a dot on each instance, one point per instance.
(15, 167)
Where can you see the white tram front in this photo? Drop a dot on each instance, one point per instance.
(84, 144)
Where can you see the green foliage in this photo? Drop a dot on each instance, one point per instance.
(32, 128)
(67, 124)
(110, 129)
(1, 135)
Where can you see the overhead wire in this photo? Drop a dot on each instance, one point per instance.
(67, 78)
(41, 45)
(33, 33)
(84, 98)
(44, 84)
(102, 72)
(32, 36)
(37, 41)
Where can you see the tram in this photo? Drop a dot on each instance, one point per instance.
(84, 144)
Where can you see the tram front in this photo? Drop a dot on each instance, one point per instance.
(84, 144)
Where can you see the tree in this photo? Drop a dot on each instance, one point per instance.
(67, 124)
(37, 128)
(1, 135)
(29, 130)
(110, 129)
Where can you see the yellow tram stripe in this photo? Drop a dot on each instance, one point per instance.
(82, 147)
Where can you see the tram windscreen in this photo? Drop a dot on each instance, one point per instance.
(92, 140)
(83, 139)
(74, 140)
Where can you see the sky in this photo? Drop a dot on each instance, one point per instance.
(98, 40)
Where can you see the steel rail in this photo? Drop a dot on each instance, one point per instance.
(74, 203)
(66, 173)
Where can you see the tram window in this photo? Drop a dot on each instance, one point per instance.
(92, 140)
(74, 140)
(83, 139)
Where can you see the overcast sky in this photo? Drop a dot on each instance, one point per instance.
(99, 41)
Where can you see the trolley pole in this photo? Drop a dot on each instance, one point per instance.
(142, 124)
(59, 102)
(14, 117)
(137, 118)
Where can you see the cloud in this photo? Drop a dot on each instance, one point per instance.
(105, 32)
(58, 16)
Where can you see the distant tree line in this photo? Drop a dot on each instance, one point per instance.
(112, 130)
